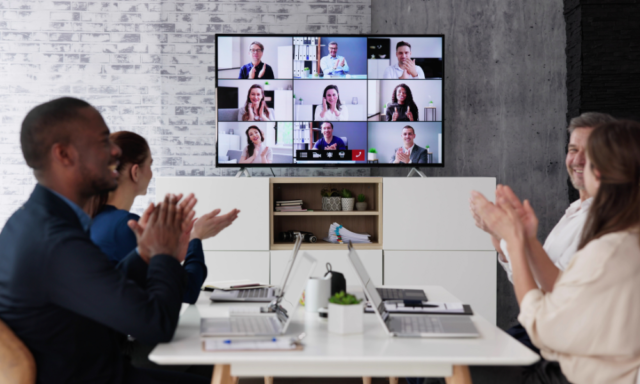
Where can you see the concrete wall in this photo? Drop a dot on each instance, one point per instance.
(505, 98)
(147, 66)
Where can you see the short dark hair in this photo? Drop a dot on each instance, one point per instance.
(409, 127)
(402, 44)
(259, 44)
(333, 43)
(590, 120)
(46, 125)
(326, 122)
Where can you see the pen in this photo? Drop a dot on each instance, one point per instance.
(229, 341)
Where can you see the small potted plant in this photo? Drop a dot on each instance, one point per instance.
(267, 86)
(361, 205)
(348, 201)
(372, 155)
(307, 71)
(331, 200)
(346, 314)
(428, 149)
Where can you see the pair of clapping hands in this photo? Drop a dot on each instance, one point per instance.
(401, 156)
(261, 111)
(325, 107)
(409, 70)
(167, 228)
(252, 72)
(507, 219)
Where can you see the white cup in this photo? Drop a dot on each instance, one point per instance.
(317, 294)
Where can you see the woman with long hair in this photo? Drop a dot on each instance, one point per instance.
(586, 324)
(255, 107)
(254, 152)
(331, 108)
(402, 107)
(109, 229)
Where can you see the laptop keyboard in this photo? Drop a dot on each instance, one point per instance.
(253, 293)
(254, 325)
(421, 324)
(393, 294)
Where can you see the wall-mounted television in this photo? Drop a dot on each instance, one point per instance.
(330, 100)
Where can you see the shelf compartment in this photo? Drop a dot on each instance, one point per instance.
(329, 213)
(323, 245)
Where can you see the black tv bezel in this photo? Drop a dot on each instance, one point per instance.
(323, 165)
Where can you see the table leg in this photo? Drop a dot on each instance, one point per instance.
(366, 380)
(460, 375)
(222, 375)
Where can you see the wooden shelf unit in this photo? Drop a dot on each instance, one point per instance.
(317, 222)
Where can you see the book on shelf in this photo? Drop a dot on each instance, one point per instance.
(290, 209)
(289, 202)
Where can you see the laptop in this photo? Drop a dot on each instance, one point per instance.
(267, 324)
(258, 295)
(397, 294)
(411, 325)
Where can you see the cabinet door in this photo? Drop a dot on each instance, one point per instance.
(235, 265)
(470, 276)
(372, 260)
(433, 213)
(250, 231)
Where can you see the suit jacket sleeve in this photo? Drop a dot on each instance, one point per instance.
(84, 281)
(196, 270)
(134, 268)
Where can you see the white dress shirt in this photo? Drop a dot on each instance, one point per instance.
(394, 72)
(562, 242)
(327, 63)
(590, 322)
(256, 117)
(330, 116)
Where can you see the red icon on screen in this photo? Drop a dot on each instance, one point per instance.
(357, 154)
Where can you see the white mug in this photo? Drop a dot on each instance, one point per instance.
(317, 294)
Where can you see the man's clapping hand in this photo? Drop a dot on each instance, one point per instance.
(331, 147)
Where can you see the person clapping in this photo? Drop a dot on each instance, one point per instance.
(253, 152)
(255, 107)
(256, 69)
(331, 108)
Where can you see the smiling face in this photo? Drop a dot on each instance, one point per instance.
(403, 54)
(255, 136)
(255, 96)
(327, 132)
(98, 155)
(332, 96)
(408, 135)
(333, 50)
(256, 53)
(401, 95)
(576, 156)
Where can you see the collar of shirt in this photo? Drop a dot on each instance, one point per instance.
(85, 220)
(410, 149)
(579, 206)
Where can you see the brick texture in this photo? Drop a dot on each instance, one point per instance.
(148, 66)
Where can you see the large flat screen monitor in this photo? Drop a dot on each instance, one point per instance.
(344, 101)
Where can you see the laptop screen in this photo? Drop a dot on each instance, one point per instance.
(303, 266)
(369, 287)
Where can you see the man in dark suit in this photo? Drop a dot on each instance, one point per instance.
(409, 153)
(58, 292)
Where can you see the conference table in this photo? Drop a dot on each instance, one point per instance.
(370, 354)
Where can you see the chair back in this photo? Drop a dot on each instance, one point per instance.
(17, 365)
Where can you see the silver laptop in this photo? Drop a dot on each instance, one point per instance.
(258, 295)
(411, 325)
(268, 324)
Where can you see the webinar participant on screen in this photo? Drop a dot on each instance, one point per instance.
(333, 64)
(328, 141)
(331, 108)
(409, 152)
(405, 68)
(255, 107)
(256, 69)
(402, 107)
(254, 152)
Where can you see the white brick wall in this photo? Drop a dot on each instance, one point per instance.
(148, 66)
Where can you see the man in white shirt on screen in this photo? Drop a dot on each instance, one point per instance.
(405, 68)
(548, 260)
(333, 64)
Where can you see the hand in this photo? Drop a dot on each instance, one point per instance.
(410, 115)
(410, 67)
(264, 152)
(342, 62)
(404, 157)
(336, 65)
(500, 219)
(189, 201)
(524, 211)
(478, 220)
(331, 147)
(252, 115)
(405, 75)
(163, 229)
(184, 242)
(262, 71)
(324, 107)
(261, 109)
(394, 117)
(252, 72)
(212, 223)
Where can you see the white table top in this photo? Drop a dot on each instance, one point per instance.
(325, 354)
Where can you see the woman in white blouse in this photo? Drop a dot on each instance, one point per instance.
(255, 107)
(589, 320)
(331, 108)
(254, 152)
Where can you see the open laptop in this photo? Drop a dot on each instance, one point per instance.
(258, 295)
(411, 325)
(268, 324)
